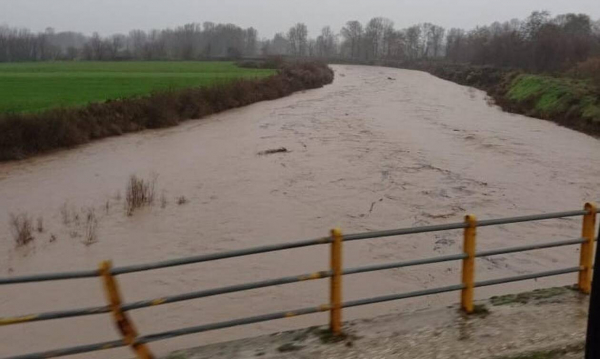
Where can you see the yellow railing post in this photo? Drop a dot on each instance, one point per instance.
(468, 264)
(335, 313)
(586, 260)
(122, 321)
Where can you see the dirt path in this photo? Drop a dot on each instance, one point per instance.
(379, 148)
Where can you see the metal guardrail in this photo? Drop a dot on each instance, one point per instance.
(138, 343)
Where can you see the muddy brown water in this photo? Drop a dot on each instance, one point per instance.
(378, 149)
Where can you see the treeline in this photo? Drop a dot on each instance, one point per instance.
(538, 43)
(188, 42)
(376, 40)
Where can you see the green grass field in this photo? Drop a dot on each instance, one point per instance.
(27, 87)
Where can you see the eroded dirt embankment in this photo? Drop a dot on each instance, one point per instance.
(380, 148)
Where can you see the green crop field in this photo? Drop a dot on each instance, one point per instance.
(26, 87)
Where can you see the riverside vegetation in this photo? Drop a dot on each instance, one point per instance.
(83, 222)
(571, 99)
(26, 134)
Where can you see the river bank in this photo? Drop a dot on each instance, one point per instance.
(549, 324)
(570, 102)
(26, 134)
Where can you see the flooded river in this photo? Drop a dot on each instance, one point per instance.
(378, 149)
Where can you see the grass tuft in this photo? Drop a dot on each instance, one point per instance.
(40, 224)
(289, 347)
(21, 228)
(91, 226)
(557, 353)
(481, 310)
(139, 193)
(526, 297)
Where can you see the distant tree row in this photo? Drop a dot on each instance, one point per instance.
(188, 42)
(539, 42)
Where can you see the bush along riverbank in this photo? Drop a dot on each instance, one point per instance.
(569, 101)
(24, 135)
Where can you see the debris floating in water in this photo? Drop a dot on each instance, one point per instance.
(273, 150)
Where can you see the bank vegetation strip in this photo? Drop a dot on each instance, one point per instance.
(569, 99)
(26, 134)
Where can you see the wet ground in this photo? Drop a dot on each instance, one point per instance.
(550, 326)
(378, 149)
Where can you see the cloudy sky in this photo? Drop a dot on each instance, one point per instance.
(269, 16)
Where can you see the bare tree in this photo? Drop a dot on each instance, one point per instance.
(374, 36)
(436, 40)
(456, 45)
(298, 39)
(116, 43)
(250, 39)
(397, 45)
(534, 23)
(156, 46)
(281, 44)
(413, 42)
(596, 27)
(353, 35)
(137, 43)
(387, 39)
(96, 48)
(325, 43)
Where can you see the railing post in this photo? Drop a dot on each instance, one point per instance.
(468, 264)
(335, 313)
(586, 260)
(592, 346)
(122, 321)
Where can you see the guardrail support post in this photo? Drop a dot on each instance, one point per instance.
(335, 313)
(592, 346)
(586, 260)
(121, 319)
(468, 264)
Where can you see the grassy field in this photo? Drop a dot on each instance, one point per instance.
(31, 87)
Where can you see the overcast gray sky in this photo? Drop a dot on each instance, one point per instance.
(269, 16)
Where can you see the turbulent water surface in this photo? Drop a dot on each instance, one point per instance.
(378, 149)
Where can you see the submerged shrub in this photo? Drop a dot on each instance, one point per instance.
(91, 225)
(21, 228)
(139, 193)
